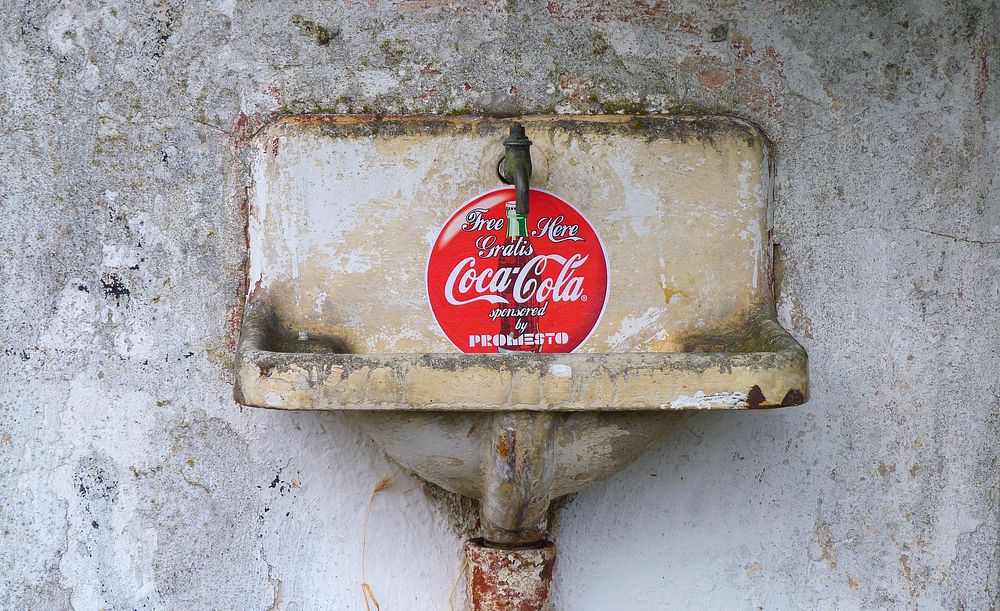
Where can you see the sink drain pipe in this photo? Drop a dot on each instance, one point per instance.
(510, 568)
(509, 579)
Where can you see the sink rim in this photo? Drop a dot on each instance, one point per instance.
(578, 381)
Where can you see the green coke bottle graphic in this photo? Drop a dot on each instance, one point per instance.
(519, 331)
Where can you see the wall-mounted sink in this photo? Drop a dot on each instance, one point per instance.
(345, 310)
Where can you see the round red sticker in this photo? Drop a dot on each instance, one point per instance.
(503, 282)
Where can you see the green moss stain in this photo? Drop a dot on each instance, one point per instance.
(321, 35)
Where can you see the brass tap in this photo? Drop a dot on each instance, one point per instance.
(515, 168)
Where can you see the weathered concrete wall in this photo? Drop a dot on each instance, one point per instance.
(130, 479)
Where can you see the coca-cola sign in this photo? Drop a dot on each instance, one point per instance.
(502, 282)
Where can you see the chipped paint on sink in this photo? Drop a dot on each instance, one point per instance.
(727, 400)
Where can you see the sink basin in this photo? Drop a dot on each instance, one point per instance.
(343, 211)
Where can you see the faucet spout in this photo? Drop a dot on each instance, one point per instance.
(515, 168)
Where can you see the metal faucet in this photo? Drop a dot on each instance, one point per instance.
(515, 168)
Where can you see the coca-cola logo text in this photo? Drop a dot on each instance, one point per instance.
(538, 286)
(486, 284)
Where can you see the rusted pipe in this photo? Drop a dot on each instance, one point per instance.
(509, 579)
(518, 483)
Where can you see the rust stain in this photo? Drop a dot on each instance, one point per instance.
(755, 398)
(234, 321)
(742, 47)
(242, 132)
(503, 447)
(983, 78)
(275, 92)
(824, 538)
(754, 73)
(668, 293)
(509, 579)
(715, 79)
(905, 561)
(793, 397)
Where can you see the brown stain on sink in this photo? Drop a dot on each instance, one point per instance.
(679, 127)
(740, 333)
(668, 293)
(793, 397)
(503, 447)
